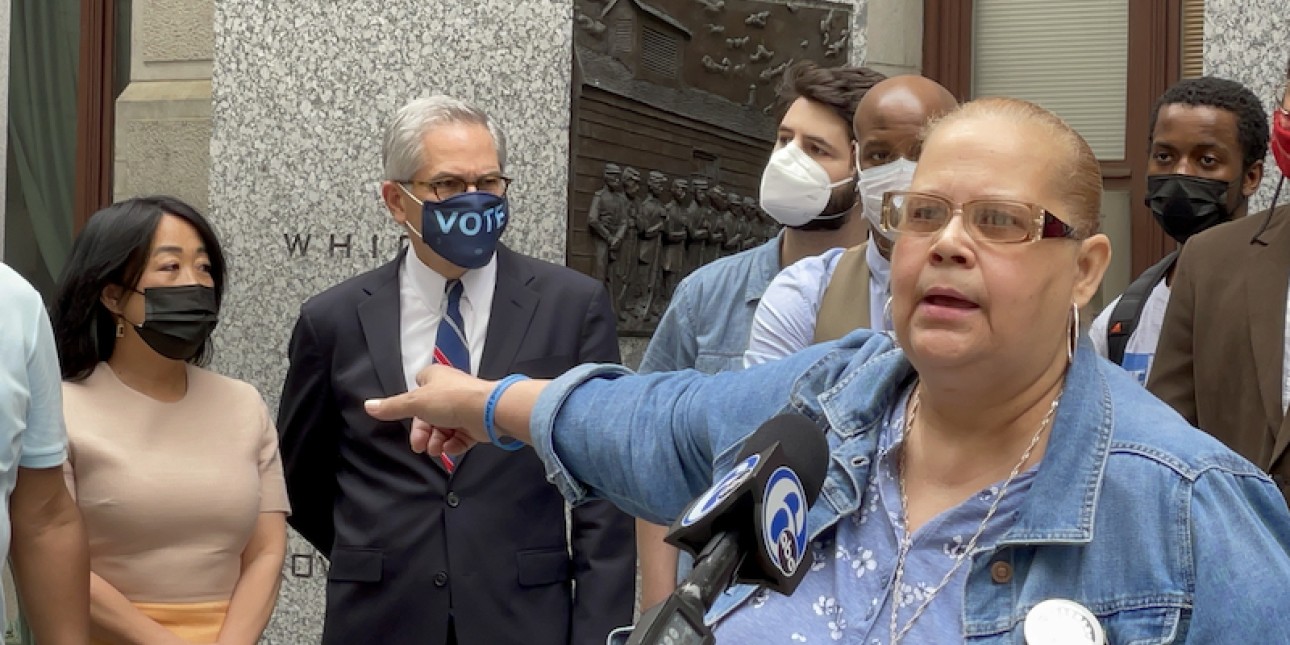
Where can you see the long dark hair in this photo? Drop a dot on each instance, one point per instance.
(113, 250)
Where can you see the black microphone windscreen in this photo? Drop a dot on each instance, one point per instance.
(804, 446)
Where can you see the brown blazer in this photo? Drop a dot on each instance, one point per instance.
(1219, 358)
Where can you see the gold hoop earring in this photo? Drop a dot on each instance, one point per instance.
(120, 329)
(1074, 333)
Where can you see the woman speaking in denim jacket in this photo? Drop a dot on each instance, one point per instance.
(982, 461)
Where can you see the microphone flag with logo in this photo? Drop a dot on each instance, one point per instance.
(764, 500)
(749, 527)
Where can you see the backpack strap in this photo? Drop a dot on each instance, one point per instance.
(1124, 318)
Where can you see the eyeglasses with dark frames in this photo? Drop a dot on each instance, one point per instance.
(450, 186)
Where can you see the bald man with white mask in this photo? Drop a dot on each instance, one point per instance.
(814, 300)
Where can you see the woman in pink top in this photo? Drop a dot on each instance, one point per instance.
(175, 468)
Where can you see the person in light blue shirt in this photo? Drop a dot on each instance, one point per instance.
(47, 544)
(705, 326)
(888, 127)
(983, 459)
(808, 186)
(785, 319)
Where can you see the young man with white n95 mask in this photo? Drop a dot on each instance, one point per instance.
(808, 185)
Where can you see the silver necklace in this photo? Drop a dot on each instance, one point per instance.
(906, 541)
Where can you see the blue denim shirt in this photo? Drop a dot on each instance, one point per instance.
(1157, 528)
(707, 323)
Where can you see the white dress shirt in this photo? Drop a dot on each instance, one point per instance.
(423, 303)
(879, 286)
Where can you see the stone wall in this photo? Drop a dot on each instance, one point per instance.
(1249, 41)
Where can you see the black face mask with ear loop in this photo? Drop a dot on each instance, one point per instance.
(178, 320)
(1185, 205)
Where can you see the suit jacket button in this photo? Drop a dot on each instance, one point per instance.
(441, 579)
(453, 500)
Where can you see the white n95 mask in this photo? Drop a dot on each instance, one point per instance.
(795, 188)
(895, 175)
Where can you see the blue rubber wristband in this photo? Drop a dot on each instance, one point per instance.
(490, 409)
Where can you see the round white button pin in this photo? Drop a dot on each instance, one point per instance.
(1062, 622)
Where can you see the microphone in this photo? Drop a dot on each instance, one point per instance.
(749, 527)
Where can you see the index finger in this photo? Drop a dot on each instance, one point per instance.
(394, 408)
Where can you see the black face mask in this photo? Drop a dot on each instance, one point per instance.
(178, 320)
(1186, 205)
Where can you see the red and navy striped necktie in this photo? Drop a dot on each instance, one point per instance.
(450, 346)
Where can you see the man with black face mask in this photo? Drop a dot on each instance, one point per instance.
(808, 185)
(1208, 137)
(1223, 361)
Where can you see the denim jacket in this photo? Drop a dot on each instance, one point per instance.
(1158, 529)
(706, 326)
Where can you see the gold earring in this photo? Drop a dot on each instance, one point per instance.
(120, 329)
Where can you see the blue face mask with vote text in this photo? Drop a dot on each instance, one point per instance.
(464, 229)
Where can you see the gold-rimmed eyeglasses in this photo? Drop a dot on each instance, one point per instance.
(450, 186)
(998, 221)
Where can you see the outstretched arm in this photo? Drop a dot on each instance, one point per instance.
(447, 409)
(648, 443)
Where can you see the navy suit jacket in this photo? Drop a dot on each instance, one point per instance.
(411, 545)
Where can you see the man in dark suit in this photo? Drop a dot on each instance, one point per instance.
(472, 548)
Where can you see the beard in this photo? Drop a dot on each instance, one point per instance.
(836, 213)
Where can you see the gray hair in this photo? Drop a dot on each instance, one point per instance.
(402, 152)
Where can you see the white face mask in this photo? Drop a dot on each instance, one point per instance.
(895, 175)
(795, 188)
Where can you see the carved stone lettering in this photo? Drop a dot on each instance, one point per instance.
(336, 245)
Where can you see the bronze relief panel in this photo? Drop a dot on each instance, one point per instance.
(674, 108)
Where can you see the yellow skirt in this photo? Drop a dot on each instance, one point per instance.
(195, 622)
